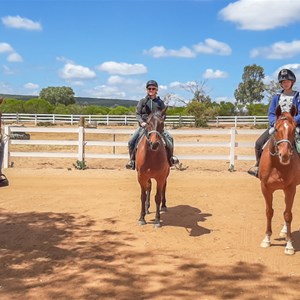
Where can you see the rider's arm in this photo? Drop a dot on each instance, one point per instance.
(272, 109)
(139, 113)
(297, 116)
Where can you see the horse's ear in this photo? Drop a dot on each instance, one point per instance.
(293, 110)
(164, 112)
(278, 111)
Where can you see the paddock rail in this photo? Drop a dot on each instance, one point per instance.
(81, 143)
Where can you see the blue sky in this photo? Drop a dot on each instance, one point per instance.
(109, 49)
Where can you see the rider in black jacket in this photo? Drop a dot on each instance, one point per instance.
(150, 103)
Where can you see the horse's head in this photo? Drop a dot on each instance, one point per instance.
(284, 134)
(155, 128)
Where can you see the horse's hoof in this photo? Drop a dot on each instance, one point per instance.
(282, 234)
(156, 225)
(142, 222)
(163, 209)
(265, 244)
(289, 251)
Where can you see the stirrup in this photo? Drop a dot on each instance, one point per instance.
(3, 181)
(130, 165)
(174, 160)
(253, 171)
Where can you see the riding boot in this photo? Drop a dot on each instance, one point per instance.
(254, 170)
(131, 164)
(173, 160)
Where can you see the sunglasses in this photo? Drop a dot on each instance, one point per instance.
(151, 89)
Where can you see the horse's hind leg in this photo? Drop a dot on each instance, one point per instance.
(288, 216)
(163, 199)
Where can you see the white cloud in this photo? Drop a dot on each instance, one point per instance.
(279, 50)
(21, 23)
(262, 14)
(211, 74)
(122, 68)
(72, 71)
(7, 71)
(14, 57)
(209, 46)
(161, 51)
(5, 47)
(104, 91)
(31, 86)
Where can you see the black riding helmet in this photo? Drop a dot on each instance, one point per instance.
(151, 82)
(286, 74)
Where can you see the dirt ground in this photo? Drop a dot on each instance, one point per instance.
(73, 234)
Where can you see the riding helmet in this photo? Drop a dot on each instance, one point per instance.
(286, 74)
(151, 82)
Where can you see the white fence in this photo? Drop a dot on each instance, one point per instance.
(178, 121)
(80, 142)
(90, 119)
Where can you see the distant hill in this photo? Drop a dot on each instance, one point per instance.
(84, 100)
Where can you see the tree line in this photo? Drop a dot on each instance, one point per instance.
(248, 101)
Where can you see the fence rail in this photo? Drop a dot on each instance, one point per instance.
(81, 143)
(90, 119)
(178, 120)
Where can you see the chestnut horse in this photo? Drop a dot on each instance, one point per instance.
(279, 169)
(152, 163)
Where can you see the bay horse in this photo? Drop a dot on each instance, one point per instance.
(279, 169)
(152, 163)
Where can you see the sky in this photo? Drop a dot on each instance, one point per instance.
(110, 49)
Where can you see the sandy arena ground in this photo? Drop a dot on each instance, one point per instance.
(73, 234)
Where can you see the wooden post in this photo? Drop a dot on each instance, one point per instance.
(81, 140)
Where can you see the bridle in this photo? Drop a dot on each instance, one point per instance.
(153, 131)
(276, 143)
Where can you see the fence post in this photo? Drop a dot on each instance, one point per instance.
(81, 140)
(232, 149)
(6, 146)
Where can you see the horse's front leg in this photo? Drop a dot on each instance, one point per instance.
(268, 195)
(163, 199)
(158, 197)
(149, 186)
(142, 220)
(288, 217)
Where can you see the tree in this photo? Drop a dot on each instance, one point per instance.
(13, 106)
(37, 106)
(56, 95)
(202, 112)
(252, 88)
(271, 89)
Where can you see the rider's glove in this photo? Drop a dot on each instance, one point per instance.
(271, 130)
(143, 124)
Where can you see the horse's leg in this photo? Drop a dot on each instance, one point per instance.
(158, 197)
(288, 217)
(142, 220)
(163, 199)
(268, 195)
(148, 196)
(283, 231)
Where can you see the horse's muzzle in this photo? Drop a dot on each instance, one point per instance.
(154, 145)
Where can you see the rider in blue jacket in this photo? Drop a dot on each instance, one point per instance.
(285, 98)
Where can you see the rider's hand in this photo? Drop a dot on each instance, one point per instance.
(144, 124)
